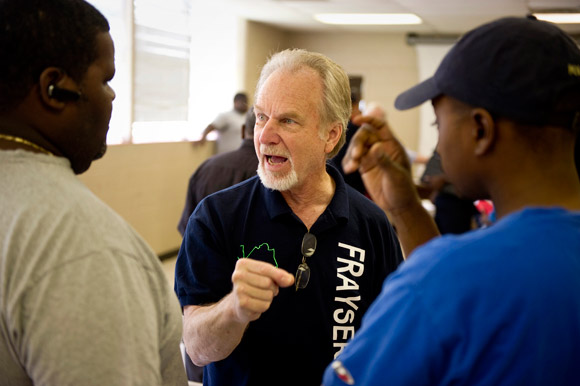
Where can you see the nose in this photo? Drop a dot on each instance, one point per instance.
(268, 133)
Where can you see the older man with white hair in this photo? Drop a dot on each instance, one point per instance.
(247, 317)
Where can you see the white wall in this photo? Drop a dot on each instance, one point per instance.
(217, 65)
(428, 58)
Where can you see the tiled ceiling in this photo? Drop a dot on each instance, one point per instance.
(439, 16)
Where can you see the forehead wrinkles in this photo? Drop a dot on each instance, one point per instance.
(296, 88)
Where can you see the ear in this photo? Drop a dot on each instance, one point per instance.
(484, 131)
(52, 76)
(333, 136)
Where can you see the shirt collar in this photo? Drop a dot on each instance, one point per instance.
(337, 211)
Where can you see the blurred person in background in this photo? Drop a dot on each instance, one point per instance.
(222, 170)
(227, 125)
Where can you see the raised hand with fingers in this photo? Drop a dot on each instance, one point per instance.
(386, 172)
(383, 163)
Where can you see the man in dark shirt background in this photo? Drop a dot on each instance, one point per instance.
(222, 171)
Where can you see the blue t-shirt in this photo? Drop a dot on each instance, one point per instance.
(498, 306)
(294, 341)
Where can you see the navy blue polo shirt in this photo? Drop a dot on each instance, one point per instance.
(293, 341)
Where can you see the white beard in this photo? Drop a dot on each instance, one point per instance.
(280, 182)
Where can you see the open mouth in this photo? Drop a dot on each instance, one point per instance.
(275, 159)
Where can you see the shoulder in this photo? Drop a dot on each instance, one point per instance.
(238, 195)
(87, 225)
(445, 251)
(361, 201)
(221, 118)
(470, 260)
(232, 115)
(522, 241)
(213, 162)
(363, 209)
(229, 162)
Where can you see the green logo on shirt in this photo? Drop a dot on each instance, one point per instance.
(266, 253)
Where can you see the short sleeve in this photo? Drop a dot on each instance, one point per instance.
(221, 121)
(203, 269)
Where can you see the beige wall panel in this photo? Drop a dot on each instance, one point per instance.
(261, 41)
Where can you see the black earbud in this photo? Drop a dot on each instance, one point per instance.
(62, 94)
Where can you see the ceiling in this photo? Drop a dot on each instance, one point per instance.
(440, 17)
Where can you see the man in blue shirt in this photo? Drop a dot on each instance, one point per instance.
(498, 306)
(247, 317)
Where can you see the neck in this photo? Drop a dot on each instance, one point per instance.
(310, 200)
(550, 187)
(16, 133)
(15, 142)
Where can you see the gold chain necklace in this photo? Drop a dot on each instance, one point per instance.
(25, 142)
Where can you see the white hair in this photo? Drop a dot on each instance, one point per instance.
(335, 104)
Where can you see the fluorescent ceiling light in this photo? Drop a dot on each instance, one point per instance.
(368, 18)
(559, 18)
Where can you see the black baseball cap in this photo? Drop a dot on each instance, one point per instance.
(519, 68)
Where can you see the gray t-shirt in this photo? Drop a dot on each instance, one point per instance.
(83, 299)
(229, 127)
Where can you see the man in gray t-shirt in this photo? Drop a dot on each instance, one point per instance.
(228, 125)
(83, 299)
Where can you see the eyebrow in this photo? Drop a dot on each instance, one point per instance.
(291, 115)
(287, 114)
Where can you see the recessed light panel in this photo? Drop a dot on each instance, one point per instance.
(368, 18)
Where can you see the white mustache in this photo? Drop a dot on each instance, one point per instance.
(270, 150)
